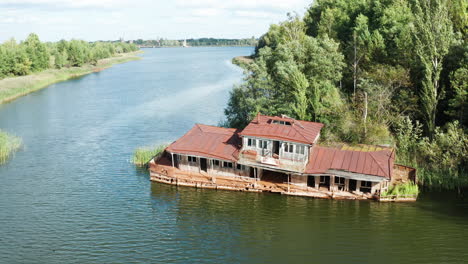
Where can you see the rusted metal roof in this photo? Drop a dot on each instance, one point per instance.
(299, 131)
(378, 162)
(208, 141)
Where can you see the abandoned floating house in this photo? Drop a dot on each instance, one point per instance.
(275, 154)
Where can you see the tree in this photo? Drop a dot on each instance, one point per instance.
(36, 52)
(433, 36)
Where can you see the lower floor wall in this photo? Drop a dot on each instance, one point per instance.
(336, 183)
(214, 167)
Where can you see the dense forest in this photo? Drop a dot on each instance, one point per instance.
(32, 55)
(197, 42)
(387, 72)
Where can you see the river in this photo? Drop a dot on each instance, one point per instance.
(72, 196)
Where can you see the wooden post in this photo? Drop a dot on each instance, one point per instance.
(289, 176)
(172, 158)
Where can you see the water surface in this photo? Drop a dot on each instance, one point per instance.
(71, 195)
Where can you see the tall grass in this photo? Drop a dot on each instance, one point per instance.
(143, 155)
(408, 189)
(14, 87)
(8, 144)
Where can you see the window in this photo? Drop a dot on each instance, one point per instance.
(227, 164)
(288, 147)
(323, 179)
(192, 159)
(279, 122)
(339, 180)
(251, 142)
(366, 186)
(263, 144)
(300, 149)
(239, 167)
(216, 162)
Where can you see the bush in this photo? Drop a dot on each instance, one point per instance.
(402, 190)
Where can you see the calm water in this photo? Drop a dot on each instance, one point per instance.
(71, 195)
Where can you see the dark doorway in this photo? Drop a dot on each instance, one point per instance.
(252, 172)
(324, 182)
(274, 176)
(203, 165)
(311, 181)
(352, 185)
(276, 145)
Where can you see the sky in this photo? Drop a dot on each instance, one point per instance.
(93, 20)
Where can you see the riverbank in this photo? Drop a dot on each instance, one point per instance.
(14, 87)
(8, 145)
(242, 61)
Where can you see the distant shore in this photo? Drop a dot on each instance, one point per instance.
(14, 87)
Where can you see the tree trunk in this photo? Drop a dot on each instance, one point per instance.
(364, 116)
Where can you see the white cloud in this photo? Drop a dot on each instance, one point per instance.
(242, 4)
(69, 3)
(206, 12)
(256, 14)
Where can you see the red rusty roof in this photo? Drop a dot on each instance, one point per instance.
(299, 131)
(378, 162)
(208, 141)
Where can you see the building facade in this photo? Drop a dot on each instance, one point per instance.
(281, 150)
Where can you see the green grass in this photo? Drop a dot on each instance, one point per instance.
(14, 87)
(402, 190)
(143, 155)
(8, 145)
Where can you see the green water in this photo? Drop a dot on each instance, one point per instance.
(72, 196)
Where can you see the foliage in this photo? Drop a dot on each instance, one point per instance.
(375, 72)
(433, 36)
(297, 77)
(143, 155)
(12, 88)
(408, 189)
(32, 55)
(8, 144)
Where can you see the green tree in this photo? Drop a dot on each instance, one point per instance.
(36, 52)
(433, 36)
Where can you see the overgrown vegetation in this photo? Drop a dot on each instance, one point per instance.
(8, 145)
(390, 72)
(32, 55)
(408, 189)
(11, 88)
(143, 155)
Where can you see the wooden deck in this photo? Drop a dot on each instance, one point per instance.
(162, 171)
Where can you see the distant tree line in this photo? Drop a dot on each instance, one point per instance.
(32, 55)
(197, 42)
(391, 72)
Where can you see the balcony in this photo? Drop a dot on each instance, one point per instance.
(253, 158)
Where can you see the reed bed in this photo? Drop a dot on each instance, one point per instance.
(143, 155)
(8, 145)
(408, 189)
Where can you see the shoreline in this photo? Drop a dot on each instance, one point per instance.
(14, 87)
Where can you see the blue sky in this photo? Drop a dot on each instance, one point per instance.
(94, 20)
